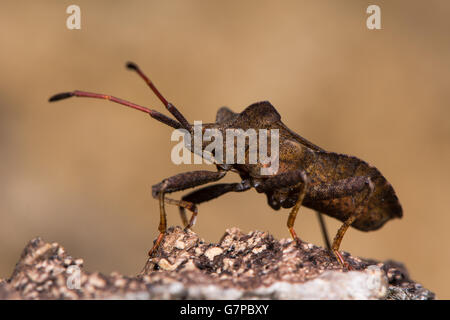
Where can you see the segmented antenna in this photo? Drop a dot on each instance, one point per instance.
(172, 109)
(154, 114)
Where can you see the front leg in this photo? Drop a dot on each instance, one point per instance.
(175, 183)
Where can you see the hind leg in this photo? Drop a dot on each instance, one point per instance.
(359, 188)
(367, 191)
(323, 229)
(338, 239)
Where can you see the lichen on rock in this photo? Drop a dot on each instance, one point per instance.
(240, 266)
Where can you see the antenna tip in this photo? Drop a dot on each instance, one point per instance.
(132, 66)
(60, 96)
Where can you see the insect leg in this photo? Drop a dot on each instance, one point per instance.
(293, 179)
(323, 229)
(182, 205)
(339, 189)
(340, 233)
(209, 193)
(294, 211)
(338, 239)
(175, 183)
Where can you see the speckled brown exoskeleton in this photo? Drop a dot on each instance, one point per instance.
(341, 186)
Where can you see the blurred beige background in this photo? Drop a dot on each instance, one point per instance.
(79, 172)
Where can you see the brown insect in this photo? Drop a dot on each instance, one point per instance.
(341, 186)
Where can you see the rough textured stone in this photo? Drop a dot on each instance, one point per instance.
(240, 266)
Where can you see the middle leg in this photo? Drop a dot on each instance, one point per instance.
(209, 193)
(296, 180)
